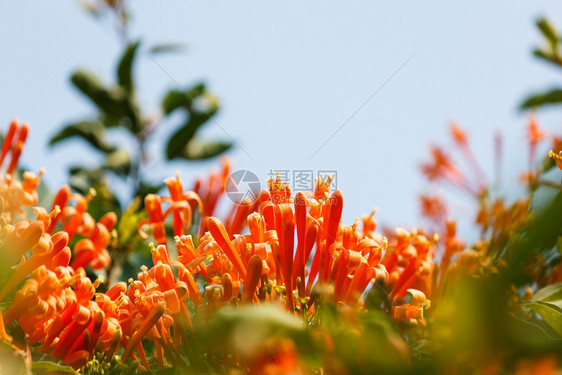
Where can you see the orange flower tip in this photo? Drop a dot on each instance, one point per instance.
(145, 268)
(458, 134)
(131, 280)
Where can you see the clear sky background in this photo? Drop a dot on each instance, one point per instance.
(288, 75)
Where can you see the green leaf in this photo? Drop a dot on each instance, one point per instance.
(92, 132)
(551, 97)
(423, 347)
(179, 140)
(165, 48)
(551, 313)
(197, 150)
(40, 367)
(549, 293)
(124, 75)
(547, 164)
(127, 227)
(118, 161)
(12, 359)
(175, 99)
(549, 32)
(113, 102)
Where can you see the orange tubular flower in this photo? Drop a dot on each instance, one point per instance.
(534, 135)
(13, 142)
(211, 190)
(58, 309)
(181, 204)
(433, 208)
(413, 311)
(153, 204)
(92, 251)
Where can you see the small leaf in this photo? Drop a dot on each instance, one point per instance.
(48, 366)
(179, 140)
(165, 48)
(548, 31)
(113, 102)
(197, 150)
(423, 347)
(90, 131)
(551, 97)
(127, 227)
(548, 56)
(175, 99)
(124, 70)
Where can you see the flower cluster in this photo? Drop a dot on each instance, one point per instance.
(293, 252)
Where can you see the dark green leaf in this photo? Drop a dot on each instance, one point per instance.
(175, 99)
(90, 131)
(551, 97)
(179, 140)
(550, 57)
(113, 102)
(124, 71)
(547, 164)
(197, 150)
(548, 31)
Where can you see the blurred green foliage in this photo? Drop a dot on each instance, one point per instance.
(118, 110)
(550, 53)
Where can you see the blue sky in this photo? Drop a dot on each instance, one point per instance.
(288, 75)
